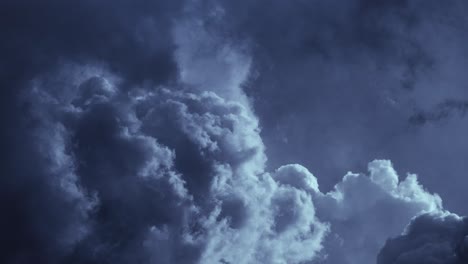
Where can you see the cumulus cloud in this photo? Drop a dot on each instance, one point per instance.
(177, 169)
(362, 210)
(172, 169)
(430, 238)
(113, 162)
(173, 176)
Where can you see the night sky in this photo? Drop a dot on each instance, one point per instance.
(234, 131)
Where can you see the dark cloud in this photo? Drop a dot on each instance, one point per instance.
(442, 111)
(148, 174)
(133, 39)
(127, 136)
(157, 169)
(47, 212)
(110, 185)
(329, 29)
(430, 238)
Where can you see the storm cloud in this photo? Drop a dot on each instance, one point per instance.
(161, 176)
(130, 136)
(172, 176)
(429, 238)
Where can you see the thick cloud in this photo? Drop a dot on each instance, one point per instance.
(165, 176)
(121, 177)
(78, 183)
(164, 169)
(46, 209)
(362, 210)
(154, 175)
(129, 139)
(429, 238)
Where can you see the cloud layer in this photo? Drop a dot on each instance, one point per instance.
(177, 175)
(147, 150)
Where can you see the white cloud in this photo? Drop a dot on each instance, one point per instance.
(362, 210)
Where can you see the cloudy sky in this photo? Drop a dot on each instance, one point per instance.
(219, 131)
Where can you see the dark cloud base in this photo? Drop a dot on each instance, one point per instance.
(429, 239)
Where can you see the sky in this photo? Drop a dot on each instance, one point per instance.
(222, 132)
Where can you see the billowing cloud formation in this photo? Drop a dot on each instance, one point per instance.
(429, 238)
(160, 175)
(172, 176)
(113, 160)
(165, 176)
(363, 210)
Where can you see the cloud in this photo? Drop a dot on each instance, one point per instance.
(129, 152)
(186, 171)
(429, 238)
(175, 168)
(168, 175)
(325, 74)
(166, 168)
(441, 111)
(362, 210)
(132, 39)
